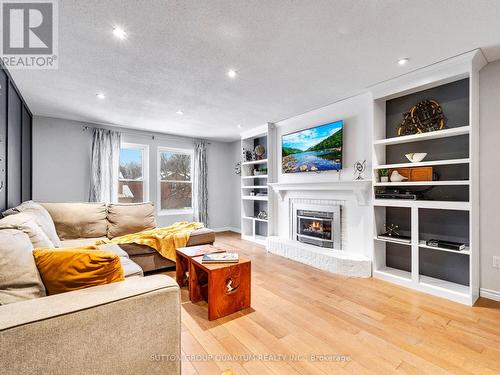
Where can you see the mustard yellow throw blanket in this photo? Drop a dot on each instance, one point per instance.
(163, 240)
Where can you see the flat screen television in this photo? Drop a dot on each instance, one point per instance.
(313, 150)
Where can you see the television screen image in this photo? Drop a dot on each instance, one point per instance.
(313, 150)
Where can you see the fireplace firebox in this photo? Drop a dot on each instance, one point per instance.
(318, 226)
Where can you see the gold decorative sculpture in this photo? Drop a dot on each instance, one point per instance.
(426, 116)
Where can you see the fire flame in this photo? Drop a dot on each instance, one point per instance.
(316, 225)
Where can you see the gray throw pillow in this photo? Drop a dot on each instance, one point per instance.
(41, 217)
(19, 277)
(25, 221)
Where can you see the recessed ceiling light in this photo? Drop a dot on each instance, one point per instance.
(403, 60)
(100, 95)
(179, 112)
(119, 32)
(238, 126)
(231, 73)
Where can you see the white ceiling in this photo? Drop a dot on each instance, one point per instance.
(291, 57)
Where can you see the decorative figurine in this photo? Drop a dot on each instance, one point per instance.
(426, 116)
(262, 215)
(391, 230)
(247, 155)
(396, 177)
(359, 168)
(259, 152)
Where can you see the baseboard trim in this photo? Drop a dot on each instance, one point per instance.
(490, 294)
(227, 229)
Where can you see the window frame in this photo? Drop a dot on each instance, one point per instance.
(184, 151)
(145, 167)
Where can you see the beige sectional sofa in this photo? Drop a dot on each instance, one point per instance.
(128, 327)
(80, 224)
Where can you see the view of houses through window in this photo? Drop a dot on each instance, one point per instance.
(133, 169)
(176, 186)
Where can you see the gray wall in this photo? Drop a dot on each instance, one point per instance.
(61, 166)
(489, 170)
(235, 180)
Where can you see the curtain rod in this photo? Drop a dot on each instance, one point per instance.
(153, 137)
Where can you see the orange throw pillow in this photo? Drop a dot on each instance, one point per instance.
(66, 269)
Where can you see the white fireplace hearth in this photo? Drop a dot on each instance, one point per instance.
(337, 261)
(324, 230)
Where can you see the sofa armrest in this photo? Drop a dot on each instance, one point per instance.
(128, 327)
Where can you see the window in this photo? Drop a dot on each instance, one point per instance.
(176, 184)
(132, 180)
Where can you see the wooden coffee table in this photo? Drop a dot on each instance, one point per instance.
(183, 258)
(226, 287)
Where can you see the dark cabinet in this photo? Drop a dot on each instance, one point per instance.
(14, 137)
(4, 87)
(15, 145)
(26, 162)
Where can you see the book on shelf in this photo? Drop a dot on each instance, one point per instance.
(220, 258)
(446, 244)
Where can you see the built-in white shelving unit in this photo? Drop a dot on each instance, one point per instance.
(448, 209)
(254, 177)
(425, 163)
(445, 133)
(254, 162)
(423, 183)
(254, 188)
(254, 198)
(463, 206)
(391, 241)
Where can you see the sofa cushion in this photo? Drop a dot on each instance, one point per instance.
(26, 222)
(66, 269)
(130, 268)
(77, 220)
(82, 242)
(19, 277)
(202, 236)
(41, 216)
(135, 249)
(128, 218)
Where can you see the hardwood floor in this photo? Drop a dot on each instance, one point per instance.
(299, 311)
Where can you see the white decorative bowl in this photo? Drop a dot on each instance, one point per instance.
(416, 157)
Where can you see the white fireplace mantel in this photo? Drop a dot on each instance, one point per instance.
(360, 188)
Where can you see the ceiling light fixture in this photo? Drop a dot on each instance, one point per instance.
(119, 33)
(179, 112)
(231, 73)
(100, 95)
(238, 126)
(403, 60)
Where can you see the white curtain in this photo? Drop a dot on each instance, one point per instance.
(200, 193)
(104, 167)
